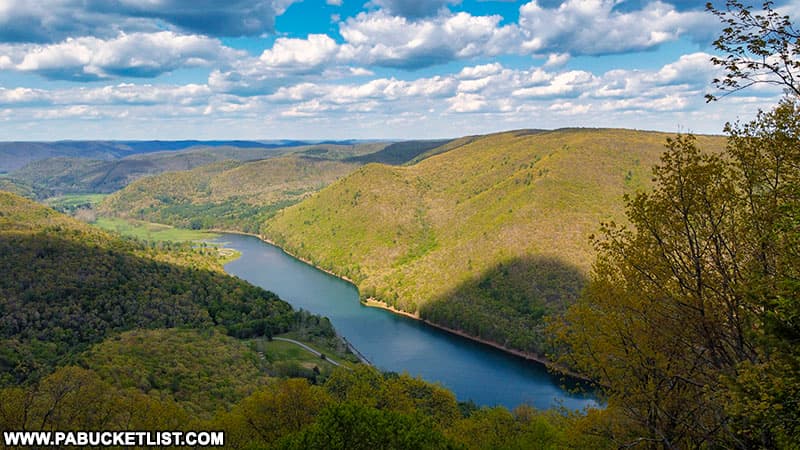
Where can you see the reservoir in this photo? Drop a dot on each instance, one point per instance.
(399, 344)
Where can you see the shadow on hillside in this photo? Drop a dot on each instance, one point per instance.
(62, 290)
(509, 303)
(398, 153)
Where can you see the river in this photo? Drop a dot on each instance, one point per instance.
(394, 343)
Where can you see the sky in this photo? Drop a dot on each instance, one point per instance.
(358, 69)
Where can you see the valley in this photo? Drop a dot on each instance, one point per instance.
(486, 236)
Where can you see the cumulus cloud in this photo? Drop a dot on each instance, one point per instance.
(557, 59)
(497, 90)
(23, 96)
(595, 27)
(120, 94)
(414, 9)
(562, 85)
(405, 34)
(463, 102)
(392, 41)
(288, 61)
(475, 99)
(300, 54)
(55, 20)
(130, 55)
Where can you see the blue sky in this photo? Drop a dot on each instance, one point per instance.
(335, 69)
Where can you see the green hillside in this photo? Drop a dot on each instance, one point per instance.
(230, 195)
(16, 187)
(489, 238)
(201, 370)
(67, 285)
(100, 332)
(399, 152)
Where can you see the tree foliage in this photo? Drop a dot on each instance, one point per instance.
(66, 286)
(689, 320)
(759, 47)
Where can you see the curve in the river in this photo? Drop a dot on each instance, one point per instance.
(400, 344)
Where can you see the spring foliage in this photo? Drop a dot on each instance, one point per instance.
(690, 318)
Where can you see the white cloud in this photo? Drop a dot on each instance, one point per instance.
(475, 99)
(45, 21)
(300, 54)
(120, 94)
(406, 34)
(391, 41)
(484, 70)
(562, 85)
(557, 59)
(21, 96)
(463, 102)
(288, 61)
(132, 55)
(594, 27)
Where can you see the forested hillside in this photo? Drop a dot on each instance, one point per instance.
(67, 285)
(99, 332)
(489, 238)
(229, 195)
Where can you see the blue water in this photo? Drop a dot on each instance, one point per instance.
(394, 343)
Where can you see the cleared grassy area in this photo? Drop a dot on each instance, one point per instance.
(69, 202)
(152, 231)
(287, 351)
(287, 359)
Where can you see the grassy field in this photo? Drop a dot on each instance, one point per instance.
(489, 238)
(151, 231)
(73, 201)
(287, 351)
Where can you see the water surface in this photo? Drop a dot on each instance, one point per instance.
(400, 344)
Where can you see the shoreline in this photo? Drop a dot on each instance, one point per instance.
(373, 303)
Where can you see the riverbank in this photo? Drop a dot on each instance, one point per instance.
(396, 344)
(373, 303)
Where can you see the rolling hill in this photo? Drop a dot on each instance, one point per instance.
(229, 195)
(399, 152)
(241, 196)
(15, 155)
(489, 238)
(67, 285)
(61, 175)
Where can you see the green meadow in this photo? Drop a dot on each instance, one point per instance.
(149, 231)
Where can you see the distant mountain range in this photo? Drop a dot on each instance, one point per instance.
(62, 168)
(15, 155)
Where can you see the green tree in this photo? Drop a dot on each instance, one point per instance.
(660, 319)
(349, 426)
(689, 322)
(285, 407)
(765, 396)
